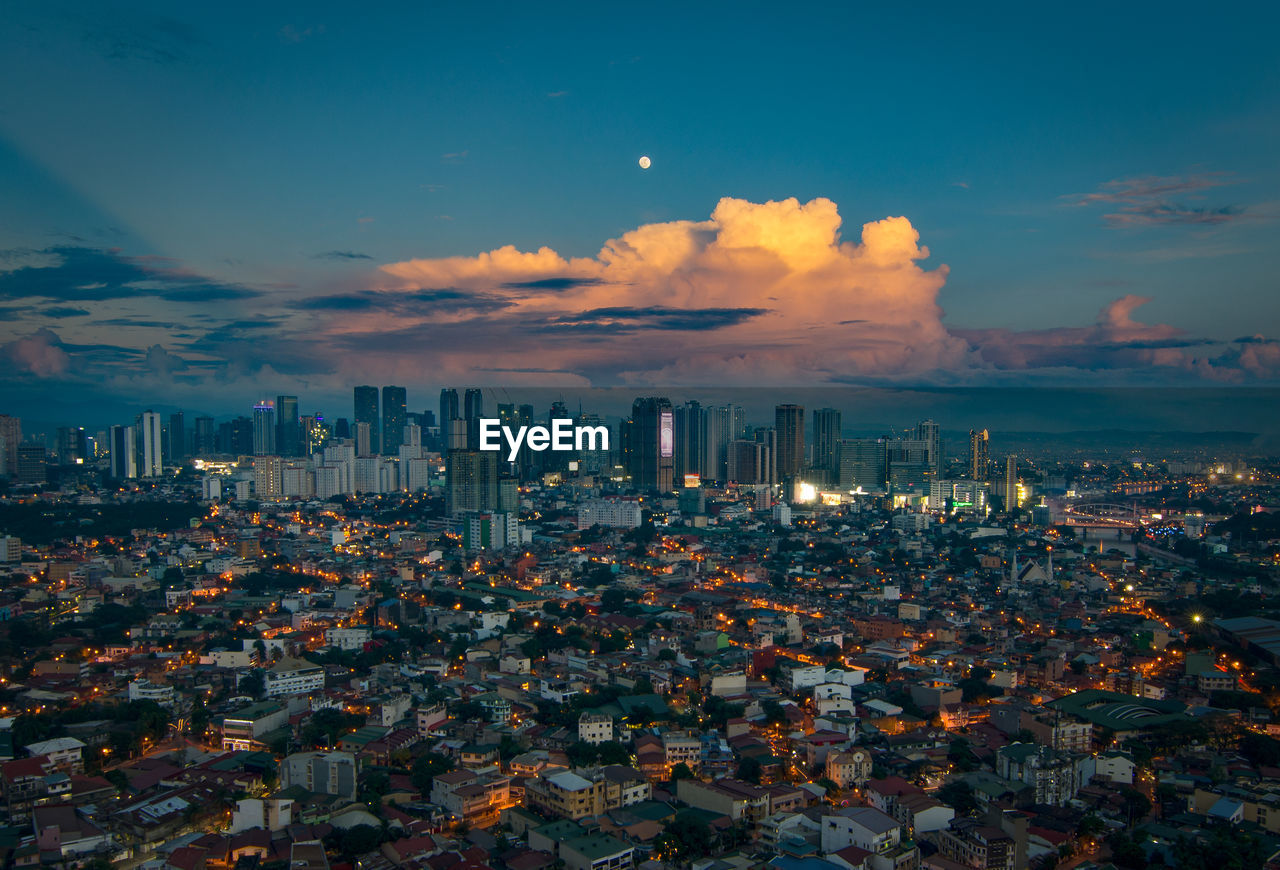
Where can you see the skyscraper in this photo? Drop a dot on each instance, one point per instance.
(472, 411)
(789, 421)
(288, 427)
(176, 441)
(826, 441)
(1011, 482)
(264, 429)
(367, 412)
(688, 432)
(152, 444)
(652, 458)
(448, 408)
(864, 464)
(124, 453)
(979, 454)
(394, 418)
(10, 438)
(471, 481)
(931, 433)
(202, 438)
(473, 404)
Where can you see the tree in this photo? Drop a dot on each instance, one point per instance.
(359, 840)
(426, 768)
(749, 770)
(959, 796)
(666, 654)
(681, 771)
(613, 600)
(253, 683)
(613, 752)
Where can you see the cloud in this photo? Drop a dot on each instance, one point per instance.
(1147, 200)
(71, 273)
(58, 312)
(40, 354)
(772, 293)
(342, 255)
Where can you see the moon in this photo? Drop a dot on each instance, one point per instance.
(645, 162)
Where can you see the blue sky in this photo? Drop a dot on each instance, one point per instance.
(1055, 159)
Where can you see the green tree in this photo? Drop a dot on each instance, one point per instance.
(749, 770)
(681, 771)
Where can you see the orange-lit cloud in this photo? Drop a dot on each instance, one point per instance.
(759, 292)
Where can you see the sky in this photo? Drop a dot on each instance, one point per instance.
(205, 204)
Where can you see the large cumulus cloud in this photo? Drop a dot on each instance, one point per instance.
(768, 292)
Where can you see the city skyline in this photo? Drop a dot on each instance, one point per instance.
(977, 211)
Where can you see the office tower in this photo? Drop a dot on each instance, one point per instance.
(789, 421)
(1011, 483)
(31, 467)
(10, 438)
(288, 427)
(826, 441)
(367, 412)
(448, 408)
(176, 442)
(73, 446)
(203, 442)
(427, 419)
(471, 481)
(652, 444)
(393, 419)
(364, 439)
(268, 477)
(931, 433)
(688, 433)
(124, 454)
(152, 441)
(412, 437)
(236, 436)
(341, 428)
(908, 465)
(979, 454)
(264, 429)
(863, 464)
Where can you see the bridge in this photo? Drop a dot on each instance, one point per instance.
(1099, 515)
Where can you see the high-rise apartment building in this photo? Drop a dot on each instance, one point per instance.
(10, 438)
(826, 441)
(1011, 482)
(789, 423)
(152, 433)
(472, 411)
(448, 408)
(979, 454)
(124, 452)
(394, 418)
(471, 481)
(366, 400)
(931, 433)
